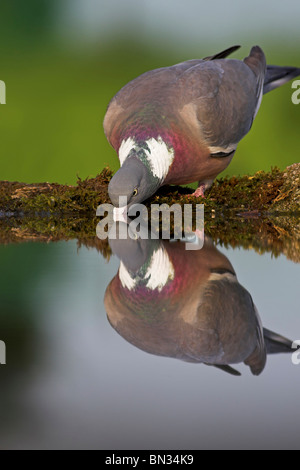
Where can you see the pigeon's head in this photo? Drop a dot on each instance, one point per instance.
(132, 184)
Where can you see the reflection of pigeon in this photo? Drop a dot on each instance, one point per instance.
(182, 124)
(188, 305)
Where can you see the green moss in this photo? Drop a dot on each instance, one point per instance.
(259, 212)
(53, 229)
(273, 234)
(54, 199)
(288, 199)
(235, 194)
(263, 192)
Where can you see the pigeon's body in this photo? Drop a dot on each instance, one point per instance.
(184, 122)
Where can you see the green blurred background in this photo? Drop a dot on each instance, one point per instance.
(63, 60)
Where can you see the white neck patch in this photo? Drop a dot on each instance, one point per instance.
(125, 148)
(125, 277)
(159, 155)
(158, 274)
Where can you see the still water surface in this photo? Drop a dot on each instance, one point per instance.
(129, 374)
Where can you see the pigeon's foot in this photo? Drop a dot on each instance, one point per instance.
(199, 191)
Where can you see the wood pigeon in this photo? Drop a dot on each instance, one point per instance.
(181, 124)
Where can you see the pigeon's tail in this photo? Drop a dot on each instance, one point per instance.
(276, 344)
(277, 76)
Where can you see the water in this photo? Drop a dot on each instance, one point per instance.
(74, 380)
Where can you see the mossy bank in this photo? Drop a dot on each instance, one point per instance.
(260, 212)
(272, 192)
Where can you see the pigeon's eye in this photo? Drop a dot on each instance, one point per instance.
(135, 191)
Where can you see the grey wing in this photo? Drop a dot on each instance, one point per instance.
(152, 84)
(225, 96)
